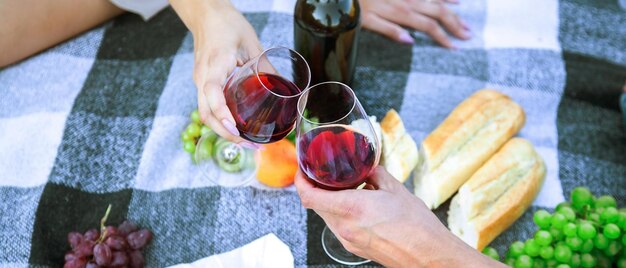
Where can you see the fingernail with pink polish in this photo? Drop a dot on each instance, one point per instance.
(464, 25)
(406, 38)
(250, 145)
(467, 35)
(230, 127)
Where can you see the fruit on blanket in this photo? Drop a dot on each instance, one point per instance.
(277, 164)
(110, 247)
(586, 232)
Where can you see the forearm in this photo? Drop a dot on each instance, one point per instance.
(398, 249)
(29, 26)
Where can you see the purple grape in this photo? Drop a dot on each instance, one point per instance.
(92, 265)
(70, 256)
(126, 228)
(116, 243)
(119, 259)
(102, 254)
(92, 235)
(74, 238)
(139, 239)
(136, 259)
(75, 263)
(84, 249)
(111, 231)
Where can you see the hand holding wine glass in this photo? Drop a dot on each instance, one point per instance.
(388, 224)
(223, 40)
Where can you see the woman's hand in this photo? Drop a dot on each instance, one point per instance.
(223, 39)
(388, 224)
(432, 17)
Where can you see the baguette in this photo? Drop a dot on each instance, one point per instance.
(462, 143)
(497, 194)
(399, 149)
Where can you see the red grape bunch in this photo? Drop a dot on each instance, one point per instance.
(110, 247)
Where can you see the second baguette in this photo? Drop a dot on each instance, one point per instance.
(462, 143)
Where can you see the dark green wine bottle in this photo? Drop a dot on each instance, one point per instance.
(326, 34)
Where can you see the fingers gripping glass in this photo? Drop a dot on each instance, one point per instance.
(337, 147)
(262, 96)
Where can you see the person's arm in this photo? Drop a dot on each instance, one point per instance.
(389, 225)
(389, 17)
(223, 39)
(30, 26)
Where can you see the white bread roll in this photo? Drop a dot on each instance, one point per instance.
(497, 194)
(399, 149)
(462, 143)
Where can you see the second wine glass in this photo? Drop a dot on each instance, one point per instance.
(262, 95)
(337, 147)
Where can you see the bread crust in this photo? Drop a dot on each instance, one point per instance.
(400, 154)
(463, 142)
(497, 194)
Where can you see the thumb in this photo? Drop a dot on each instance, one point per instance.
(381, 179)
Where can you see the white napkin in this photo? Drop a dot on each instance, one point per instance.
(267, 251)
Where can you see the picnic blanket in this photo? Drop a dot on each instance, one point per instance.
(97, 120)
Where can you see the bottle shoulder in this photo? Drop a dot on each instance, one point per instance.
(327, 16)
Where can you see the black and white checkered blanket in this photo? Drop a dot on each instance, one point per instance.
(97, 120)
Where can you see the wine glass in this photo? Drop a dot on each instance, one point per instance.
(262, 96)
(337, 148)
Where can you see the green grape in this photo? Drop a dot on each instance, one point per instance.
(193, 130)
(613, 248)
(195, 116)
(621, 263)
(587, 261)
(551, 263)
(609, 215)
(523, 261)
(600, 241)
(574, 243)
(624, 243)
(585, 230)
(611, 231)
(594, 217)
(557, 234)
(558, 221)
(587, 246)
(569, 229)
(575, 262)
(543, 238)
(621, 222)
(568, 212)
(547, 252)
(516, 249)
(204, 130)
(492, 253)
(531, 248)
(509, 262)
(602, 261)
(539, 263)
(184, 136)
(580, 197)
(542, 218)
(563, 204)
(189, 146)
(563, 265)
(605, 201)
(562, 254)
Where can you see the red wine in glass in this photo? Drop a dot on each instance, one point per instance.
(336, 157)
(263, 107)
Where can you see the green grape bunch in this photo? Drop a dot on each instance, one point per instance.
(586, 232)
(193, 132)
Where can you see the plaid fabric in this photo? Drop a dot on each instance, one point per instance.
(96, 120)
